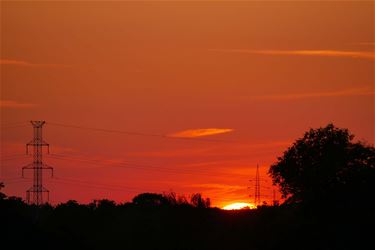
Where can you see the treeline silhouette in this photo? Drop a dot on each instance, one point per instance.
(328, 181)
(103, 224)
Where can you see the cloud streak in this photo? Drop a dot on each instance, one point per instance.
(15, 104)
(366, 43)
(339, 93)
(369, 55)
(29, 64)
(192, 133)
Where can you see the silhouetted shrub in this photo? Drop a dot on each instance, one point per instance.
(150, 200)
(199, 202)
(325, 165)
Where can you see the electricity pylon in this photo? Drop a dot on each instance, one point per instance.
(34, 195)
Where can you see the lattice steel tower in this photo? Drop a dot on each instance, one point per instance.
(257, 188)
(34, 195)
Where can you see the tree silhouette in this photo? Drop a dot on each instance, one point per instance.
(150, 200)
(198, 201)
(2, 196)
(183, 224)
(174, 199)
(326, 165)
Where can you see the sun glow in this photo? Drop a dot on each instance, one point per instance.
(239, 205)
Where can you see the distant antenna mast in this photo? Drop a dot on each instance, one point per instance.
(34, 195)
(257, 188)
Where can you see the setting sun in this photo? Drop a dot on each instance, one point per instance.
(239, 205)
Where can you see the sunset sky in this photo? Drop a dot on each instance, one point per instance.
(177, 96)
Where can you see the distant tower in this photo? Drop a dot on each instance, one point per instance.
(34, 195)
(257, 188)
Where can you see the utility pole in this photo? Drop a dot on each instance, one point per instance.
(34, 195)
(257, 188)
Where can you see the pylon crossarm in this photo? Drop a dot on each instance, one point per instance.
(27, 148)
(36, 143)
(29, 166)
(45, 166)
(45, 190)
(44, 143)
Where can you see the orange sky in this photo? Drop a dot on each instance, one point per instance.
(246, 78)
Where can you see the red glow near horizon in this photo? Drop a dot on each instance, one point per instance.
(177, 96)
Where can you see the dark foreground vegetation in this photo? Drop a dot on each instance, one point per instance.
(103, 225)
(327, 179)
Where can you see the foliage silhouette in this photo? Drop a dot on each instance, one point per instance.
(199, 202)
(176, 200)
(2, 196)
(325, 165)
(103, 224)
(150, 199)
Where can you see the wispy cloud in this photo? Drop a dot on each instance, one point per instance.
(191, 133)
(16, 105)
(29, 64)
(338, 93)
(366, 43)
(322, 53)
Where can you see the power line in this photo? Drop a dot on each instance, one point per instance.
(14, 158)
(14, 123)
(38, 142)
(96, 184)
(144, 167)
(16, 181)
(137, 133)
(101, 186)
(13, 155)
(12, 178)
(11, 125)
(140, 167)
(15, 126)
(89, 186)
